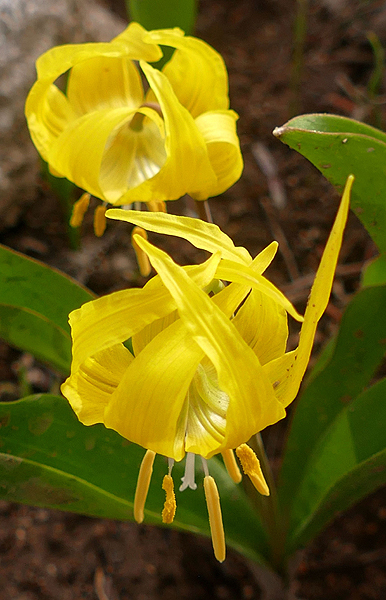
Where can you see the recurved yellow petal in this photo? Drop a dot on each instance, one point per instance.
(219, 132)
(113, 319)
(78, 151)
(187, 168)
(89, 389)
(232, 271)
(287, 371)
(205, 236)
(196, 71)
(129, 43)
(104, 82)
(147, 407)
(262, 323)
(252, 404)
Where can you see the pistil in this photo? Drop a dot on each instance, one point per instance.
(188, 480)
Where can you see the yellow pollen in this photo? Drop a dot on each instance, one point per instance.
(100, 220)
(79, 210)
(215, 518)
(142, 258)
(170, 505)
(157, 206)
(251, 467)
(143, 482)
(231, 465)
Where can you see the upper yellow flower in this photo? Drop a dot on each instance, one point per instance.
(208, 370)
(123, 140)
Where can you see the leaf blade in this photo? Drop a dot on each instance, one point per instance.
(50, 459)
(339, 146)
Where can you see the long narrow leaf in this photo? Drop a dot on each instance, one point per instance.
(358, 350)
(35, 301)
(48, 458)
(348, 463)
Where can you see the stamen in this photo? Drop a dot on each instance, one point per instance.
(170, 505)
(231, 465)
(215, 518)
(142, 258)
(79, 210)
(188, 478)
(170, 465)
(100, 220)
(205, 466)
(157, 206)
(251, 467)
(143, 482)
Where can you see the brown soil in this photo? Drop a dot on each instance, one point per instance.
(47, 554)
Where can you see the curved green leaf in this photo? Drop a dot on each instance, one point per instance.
(50, 459)
(348, 463)
(338, 146)
(35, 301)
(358, 350)
(375, 272)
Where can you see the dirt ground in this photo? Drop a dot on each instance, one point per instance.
(46, 555)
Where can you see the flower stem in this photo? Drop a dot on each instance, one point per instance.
(203, 210)
(269, 507)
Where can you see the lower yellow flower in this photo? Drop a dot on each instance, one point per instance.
(207, 371)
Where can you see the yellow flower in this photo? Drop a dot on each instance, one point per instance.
(209, 366)
(123, 142)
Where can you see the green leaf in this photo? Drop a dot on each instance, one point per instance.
(162, 14)
(48, 458)
(339, 146)
(348, 463)
(35, 301)
(375, 272)
(358, 350)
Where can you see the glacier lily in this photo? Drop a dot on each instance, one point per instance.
(208, 370)
(122, 141)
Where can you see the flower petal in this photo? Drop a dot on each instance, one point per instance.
(131, 43)
(132, 157)
(252, 404)
(148, 406)
(47, 110)
(219, 132)
(232, 271)
(287, 372)
(89, 389)
(196, 71)
(187, 168)
(262, 323)
(104, 82)
(114, 318)
(77, 153)
(205, 236)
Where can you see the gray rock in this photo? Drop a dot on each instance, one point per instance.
(27, 29)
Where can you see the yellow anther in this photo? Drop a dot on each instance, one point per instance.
(157, 206)
(251, 467)
(215, 518)
(79, 209)
(231, 465)
(170, 505)
(143, 483)
(100, 220)
(142, 258)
